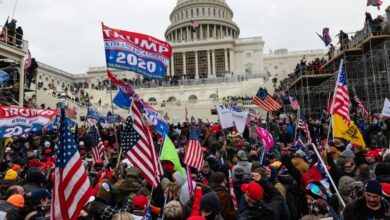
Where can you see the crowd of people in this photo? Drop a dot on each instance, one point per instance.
(287, 184)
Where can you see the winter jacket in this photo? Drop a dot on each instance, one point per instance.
(245, 165)
(356, 210)
(259, 211)
(97, 207)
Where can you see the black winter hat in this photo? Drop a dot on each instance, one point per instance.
(210, 203)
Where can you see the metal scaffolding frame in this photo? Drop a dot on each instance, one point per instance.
(367, 66)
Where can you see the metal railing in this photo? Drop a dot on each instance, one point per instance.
(12, 38)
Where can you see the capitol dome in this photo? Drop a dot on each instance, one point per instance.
(215, 20)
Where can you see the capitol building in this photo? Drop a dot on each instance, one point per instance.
(209, 61)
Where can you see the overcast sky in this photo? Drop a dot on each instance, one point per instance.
(67, 34)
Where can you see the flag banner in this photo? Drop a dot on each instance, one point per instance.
(294, 102)
(341, 103)
(361, 107)
(386, 108)
(17, 121)
(169, 153)
(266, 137)
(56, 122)
(193, 155)
(325, 36)
(376, 3)
(230, 117)
(71, 186)
(122, 100)
(112, 118)
(95, 116)
(225, 116)
(265, 101)
(3, 77)
(302, 125)
(348, 132)
(159, 123)
(122, 85)
(136, 52)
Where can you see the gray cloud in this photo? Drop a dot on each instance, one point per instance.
(67, 34)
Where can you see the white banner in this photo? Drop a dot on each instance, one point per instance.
(225, 116)
(228, 117)
(386, 108)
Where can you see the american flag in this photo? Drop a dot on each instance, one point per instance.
(265, 101)
(362, 108)
(374, 3)
(72, 188)
(231, 191)
(28, 61)
(254, 115)
(194, 25)
(294, 102)
(193, 156)
(125, 87)
(71, 113)
(302, 125)
(341, 103)
(97, 145)
(137, 142)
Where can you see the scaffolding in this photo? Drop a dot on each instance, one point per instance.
(367, 67)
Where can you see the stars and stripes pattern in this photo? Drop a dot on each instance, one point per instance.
(231, 191)
(71, 186)
(265, 101)
(138, 144)
(294, 102)
(341, 103)
(193, 156)
(361, 107)
(97, 145)
(194, 25)
(302, 125)
(28, 61)
(71, 113)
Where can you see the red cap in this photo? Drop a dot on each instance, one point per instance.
(196, 218)
(140, 202)
(373, 153)
(83, 152)
(105, 142)
(34, 163)
(386, 189)
(254, 190)
(240, 144)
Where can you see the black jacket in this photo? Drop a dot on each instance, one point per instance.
(356, 210)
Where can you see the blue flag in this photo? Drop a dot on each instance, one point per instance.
(112, 118)
(122, 100)
(92, 114)
(159, 123)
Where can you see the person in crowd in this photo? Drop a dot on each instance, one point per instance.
(370, 206)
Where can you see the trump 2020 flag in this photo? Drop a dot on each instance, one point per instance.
(136, 52)
(158, 122)
(266, 137)
(386, 108)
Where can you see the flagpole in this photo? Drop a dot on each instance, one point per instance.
(116, 136)
(13, 12)
(296, 123)
(329, 176)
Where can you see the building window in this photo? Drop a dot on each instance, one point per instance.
(190, 65)
(192, 98)
(182, 15)
(219, 13)
(223, 14)
(202, 64)
(209, 11)
(40, 76)
(248, 55)
(214, 12)
(152, 99)
(220, 62)
(178, 64)
(187, 14)
(47, 78)
(197, 12)
(192, 13)
(276, 67)
(203, 11)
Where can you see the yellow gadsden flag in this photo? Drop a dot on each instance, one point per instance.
(350, 133)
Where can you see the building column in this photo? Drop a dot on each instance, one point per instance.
(214, 68)
(184, 64)
(196, 65)
(173, 66)
(226, 61)
(221, 32)
(21, 82)
(232, 60)
(209, 73)
(208, 32)
(188, 34)
(201, 31)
